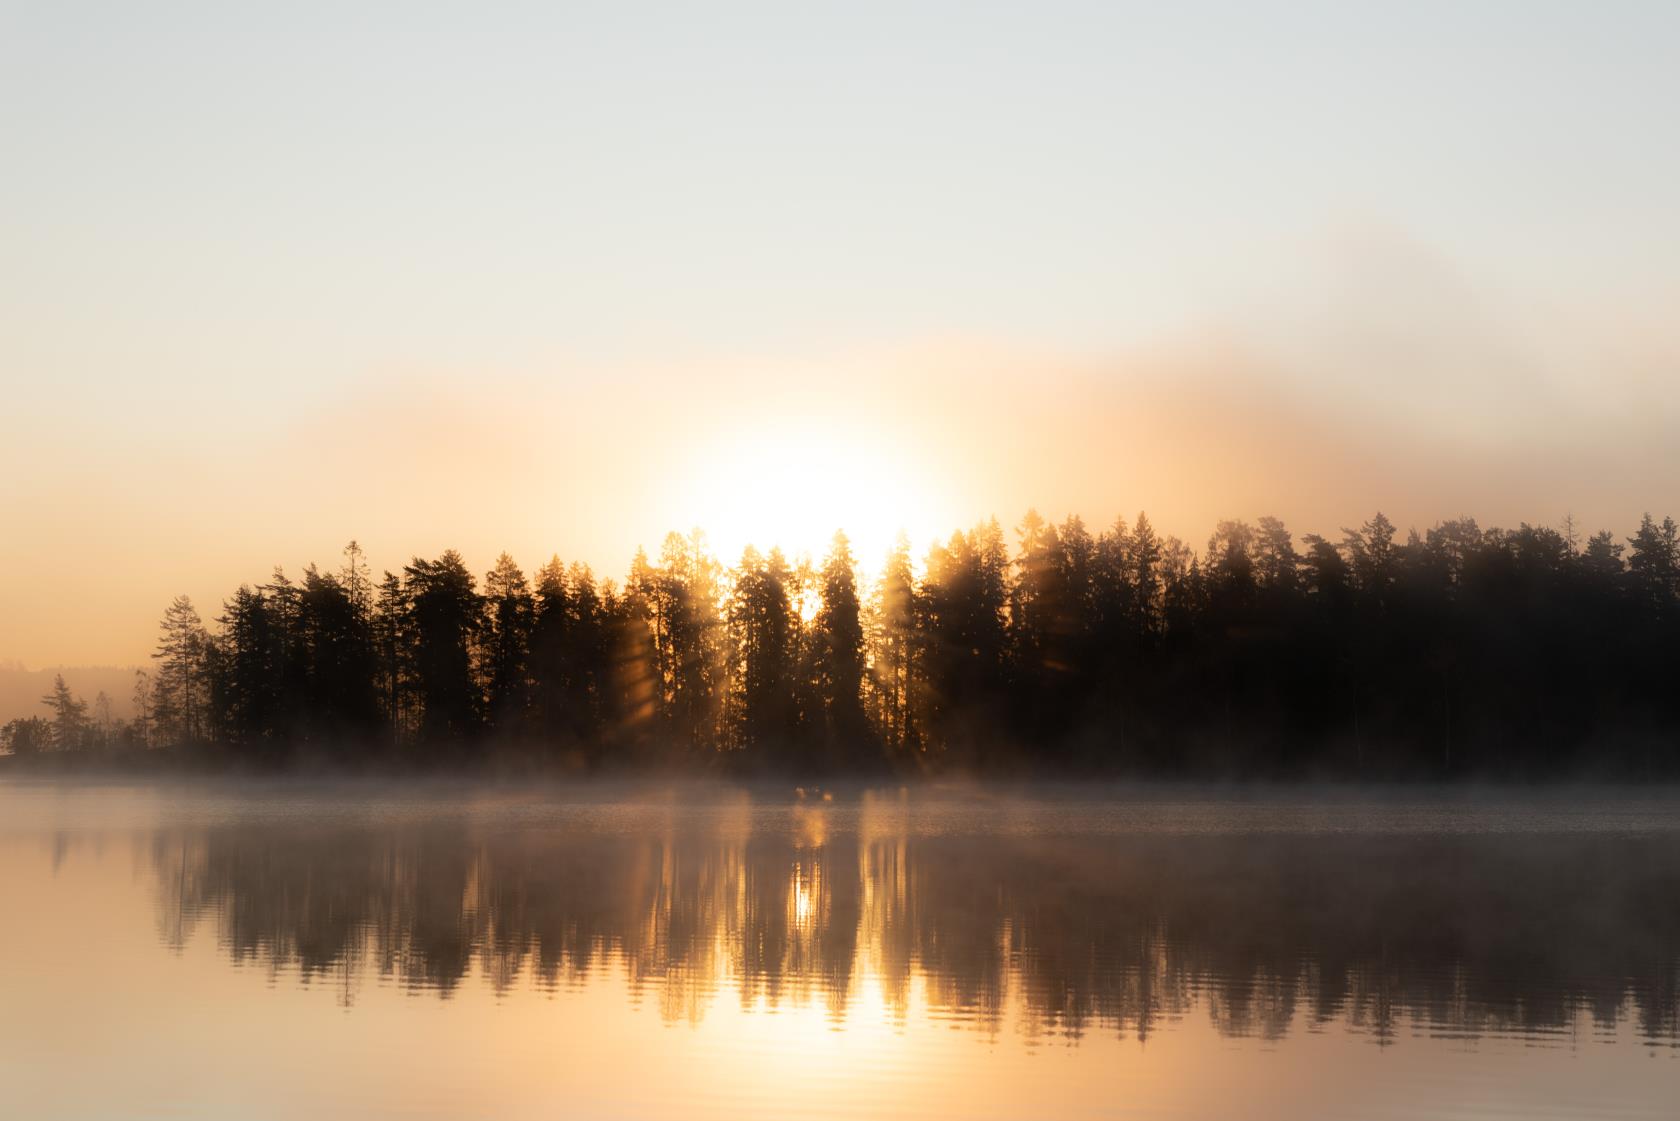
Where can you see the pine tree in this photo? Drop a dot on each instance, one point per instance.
(252, 700)
(1654, 564)
(692, 652)
(104, 722)
(446, 614)
(840, 658)
(589, 648)
(357, 579)
(143, 703)
(893, 651)
(181, 687)
(69, 717)
(762, 709)
(391, 640)
(509, 615)
(1144, 555)
(289, 654)
(551, 647)
(334, 636)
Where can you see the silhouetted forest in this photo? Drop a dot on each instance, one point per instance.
(1458, 651)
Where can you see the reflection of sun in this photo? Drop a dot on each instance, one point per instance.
(802, 900)
(801, 904)
(792, 484)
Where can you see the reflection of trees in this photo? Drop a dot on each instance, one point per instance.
(1461, 936)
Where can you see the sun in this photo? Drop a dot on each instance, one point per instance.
(793, 482)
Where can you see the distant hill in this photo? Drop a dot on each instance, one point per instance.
(21, 689)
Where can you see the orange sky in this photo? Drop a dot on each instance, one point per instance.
(111, 521)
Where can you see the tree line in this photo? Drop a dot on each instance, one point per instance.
(1457, 651)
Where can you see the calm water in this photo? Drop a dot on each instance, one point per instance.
(289, 951)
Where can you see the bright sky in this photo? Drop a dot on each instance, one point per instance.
(560, 278)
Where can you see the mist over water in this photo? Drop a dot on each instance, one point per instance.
(1142, 951)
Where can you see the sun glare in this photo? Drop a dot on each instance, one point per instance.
(791, 485)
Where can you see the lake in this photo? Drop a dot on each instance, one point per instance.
(303, 950)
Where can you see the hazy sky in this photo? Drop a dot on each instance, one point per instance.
(561, 277)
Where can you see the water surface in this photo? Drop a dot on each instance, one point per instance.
(289, 950)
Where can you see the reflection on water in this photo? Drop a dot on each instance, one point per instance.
(1022, 923)
(1466, 934)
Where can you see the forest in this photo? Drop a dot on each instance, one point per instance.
(1457, 652)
